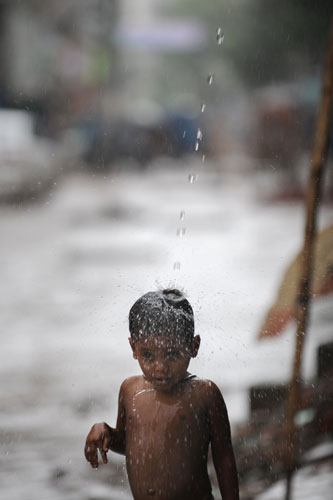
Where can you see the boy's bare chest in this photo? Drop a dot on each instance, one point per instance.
(154, 418)
(167, 442)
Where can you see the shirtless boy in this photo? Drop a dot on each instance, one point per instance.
(167, 417)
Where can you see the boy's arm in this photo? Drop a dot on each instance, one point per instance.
(222, 451)
(118, 436)
(102, 437)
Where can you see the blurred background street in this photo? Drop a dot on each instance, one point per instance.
(145, 145)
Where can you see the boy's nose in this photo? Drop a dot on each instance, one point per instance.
(160, 367)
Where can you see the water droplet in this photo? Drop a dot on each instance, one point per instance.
(196, 147)
(176, 266)
(192, 178)
(184, 134)
(199, 134)
(210, 78)
(181, 231)
(203, 158)
(219, 36)
(203, 107)
(182, 215)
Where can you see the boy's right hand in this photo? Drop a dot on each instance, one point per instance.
(98, 438)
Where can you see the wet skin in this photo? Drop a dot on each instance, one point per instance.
(166, 421)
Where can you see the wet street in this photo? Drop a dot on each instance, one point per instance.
(72, 266)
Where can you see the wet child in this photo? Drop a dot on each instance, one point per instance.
(167, 417)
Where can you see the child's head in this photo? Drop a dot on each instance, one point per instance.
(162, 337)
(162, 313)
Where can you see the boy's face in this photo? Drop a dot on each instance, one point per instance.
(164, 360)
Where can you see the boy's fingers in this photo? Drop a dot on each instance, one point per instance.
(91, 455)
(87, 452)
(103, 455)
(94, 463)
(106, 440)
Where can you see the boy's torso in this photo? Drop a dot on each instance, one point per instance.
(167, 438)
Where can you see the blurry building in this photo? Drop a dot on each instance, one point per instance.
(56, 56)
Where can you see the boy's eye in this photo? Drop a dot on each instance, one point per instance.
(146, 354)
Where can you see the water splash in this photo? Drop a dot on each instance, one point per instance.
(210, 78)
(141, 392)
(192, 178)
(219, 36)
(181, 231)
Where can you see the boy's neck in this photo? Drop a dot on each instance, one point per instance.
(187, 376)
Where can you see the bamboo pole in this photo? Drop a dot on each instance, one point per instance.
(319, 151)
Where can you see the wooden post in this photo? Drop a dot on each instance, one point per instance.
(302, 307)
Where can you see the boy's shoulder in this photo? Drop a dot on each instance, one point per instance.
(207, 387)
(134, 383)
(203, 383)
(210, 397)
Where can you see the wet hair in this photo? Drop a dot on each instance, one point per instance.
(164, 312)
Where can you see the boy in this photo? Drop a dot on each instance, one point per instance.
(167, 417)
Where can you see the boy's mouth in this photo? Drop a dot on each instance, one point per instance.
(161, 381)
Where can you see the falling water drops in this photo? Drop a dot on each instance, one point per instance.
(203, 107)
(182, 215)
(203, 158)
(181, 231)
(176, 265)
(210, 78)
(199, 139)
(192, 178)
(219, 36)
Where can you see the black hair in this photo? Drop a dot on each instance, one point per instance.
(164, 312)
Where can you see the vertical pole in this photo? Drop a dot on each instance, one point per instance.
(303, 302)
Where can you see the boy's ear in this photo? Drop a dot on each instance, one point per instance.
(195, 345)
(132, 344)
